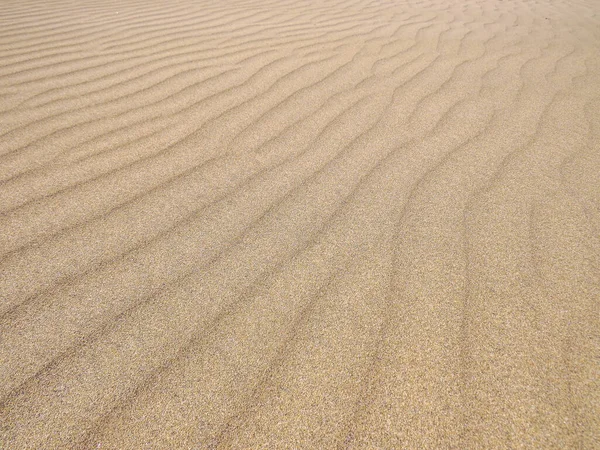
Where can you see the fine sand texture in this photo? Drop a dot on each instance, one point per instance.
(299, 224)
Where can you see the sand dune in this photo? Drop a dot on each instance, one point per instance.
(299, 224)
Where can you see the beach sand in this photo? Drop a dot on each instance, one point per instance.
(299, 224)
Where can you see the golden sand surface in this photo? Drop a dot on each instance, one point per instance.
(299, 224)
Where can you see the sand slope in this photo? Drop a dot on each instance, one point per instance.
(299, 224)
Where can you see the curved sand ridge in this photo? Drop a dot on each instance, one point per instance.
(300, 224)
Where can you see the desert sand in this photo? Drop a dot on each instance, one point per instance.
(299, 224)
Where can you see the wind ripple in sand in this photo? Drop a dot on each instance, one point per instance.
(301, 224)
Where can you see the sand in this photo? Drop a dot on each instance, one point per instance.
(299, 224)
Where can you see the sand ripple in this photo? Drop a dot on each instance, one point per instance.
(299, 224)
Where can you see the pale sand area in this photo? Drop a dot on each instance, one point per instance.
(299, 224)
